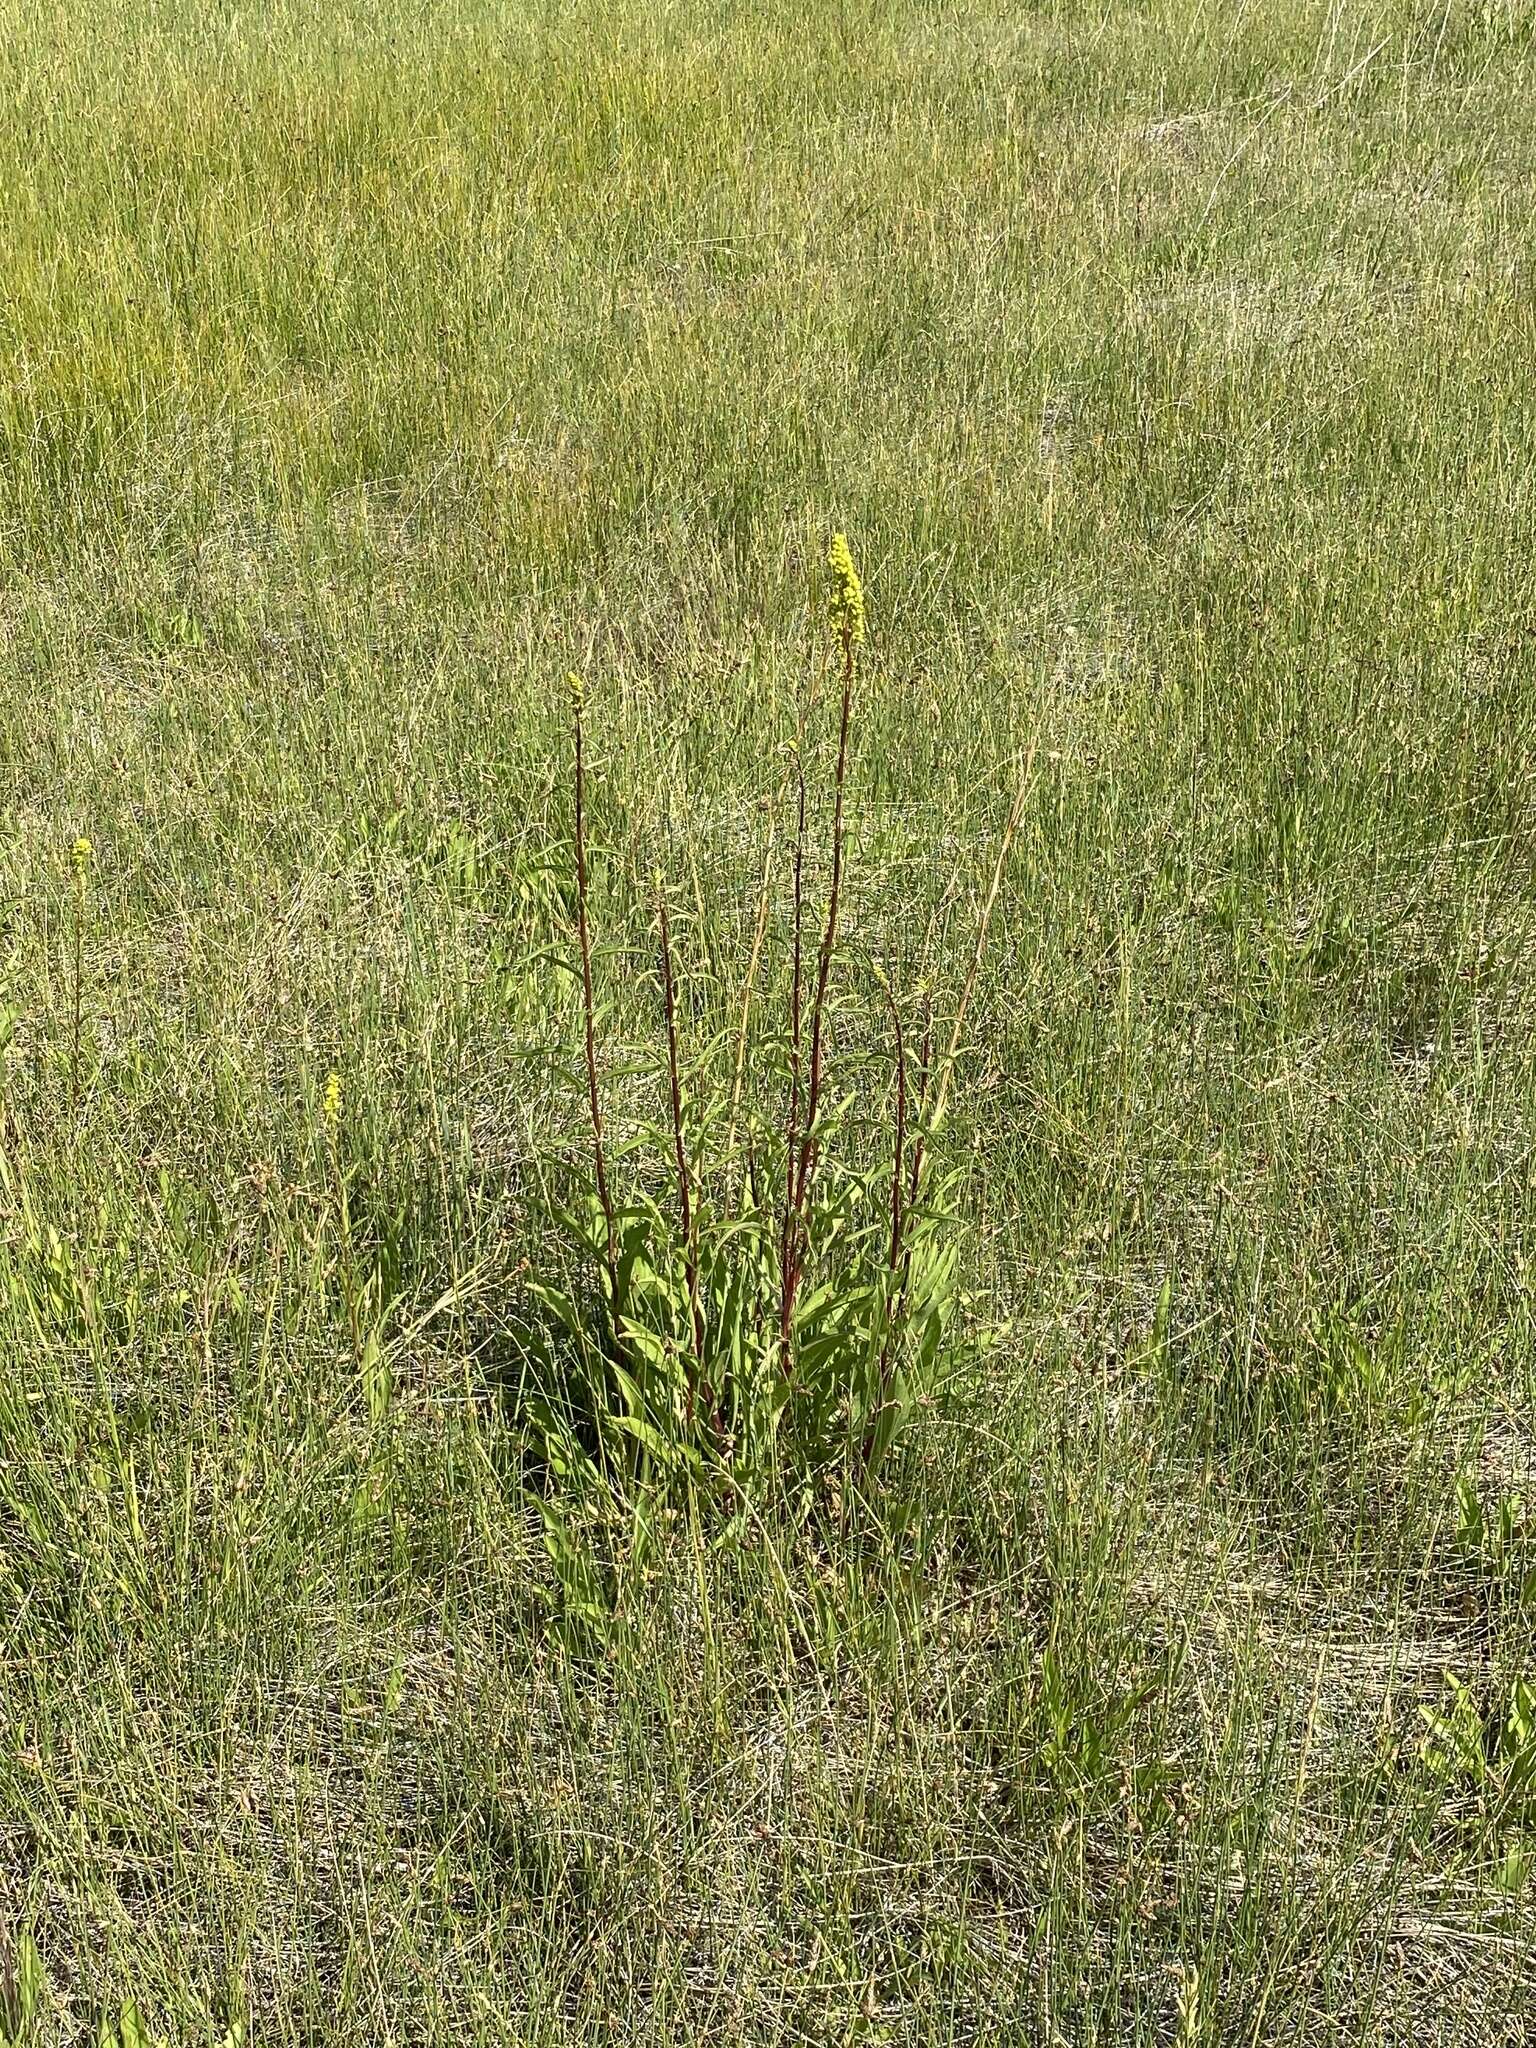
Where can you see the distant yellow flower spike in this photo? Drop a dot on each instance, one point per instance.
(575, 684)
(80, 854)
(331, 1108)
(847, 590)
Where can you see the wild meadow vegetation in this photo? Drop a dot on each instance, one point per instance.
(858, 1366)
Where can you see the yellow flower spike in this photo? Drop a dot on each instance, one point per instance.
(80, 858)
(847, 591)
(331, 1107)
(576, 685)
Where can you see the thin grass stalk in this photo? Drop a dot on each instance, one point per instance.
(898, 1220)
(738, 1075)
(80, 861)
(792, 1129)
(74, 1044)
(331, 1118)
(931, 1119)
(901, 1257)
(680, 1150)
(924, 1072)
(588, 1004)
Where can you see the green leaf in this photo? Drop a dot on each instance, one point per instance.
(666, 1452)
(378, 1379)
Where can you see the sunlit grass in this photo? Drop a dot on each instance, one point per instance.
(363, 372)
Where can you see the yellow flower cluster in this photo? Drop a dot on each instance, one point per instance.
(331, 1107)
(847, 590)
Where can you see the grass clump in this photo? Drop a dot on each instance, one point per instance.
(388, 1653)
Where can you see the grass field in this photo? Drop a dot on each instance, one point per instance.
(1172, 369)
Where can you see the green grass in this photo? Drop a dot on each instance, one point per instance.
(362, 370)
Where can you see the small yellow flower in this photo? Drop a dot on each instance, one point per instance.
(576, 685)
(847, 590)
(331, 1107)
(80, 858)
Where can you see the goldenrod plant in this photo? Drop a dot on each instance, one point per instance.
(764, 1355)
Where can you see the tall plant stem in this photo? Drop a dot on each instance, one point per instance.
(804, 1169)
(899, 1156)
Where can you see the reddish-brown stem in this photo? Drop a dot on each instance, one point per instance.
(804, 1169)
(899, 1161)
(599, 1158)
(829, 934)
(684, 1197)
